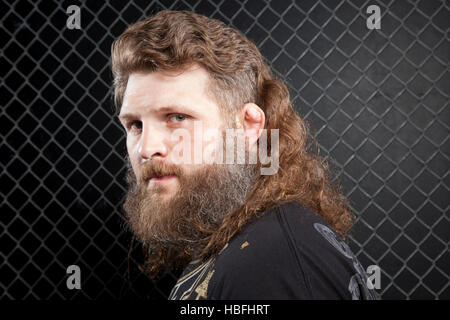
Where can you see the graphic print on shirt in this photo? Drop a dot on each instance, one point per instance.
(358, 280)
(191, 281)
(193, 278)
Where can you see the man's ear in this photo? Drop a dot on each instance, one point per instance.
(253, 119)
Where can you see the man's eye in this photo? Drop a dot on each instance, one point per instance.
(177, 117)
(135, 126)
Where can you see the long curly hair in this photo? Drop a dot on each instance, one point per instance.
(173, 40)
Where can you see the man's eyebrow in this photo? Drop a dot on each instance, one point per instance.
(128, 115)
(174, 108)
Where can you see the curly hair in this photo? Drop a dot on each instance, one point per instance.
(173, 40)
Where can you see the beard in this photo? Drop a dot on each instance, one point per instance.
(174, 229)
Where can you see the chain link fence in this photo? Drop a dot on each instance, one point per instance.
(377, 102)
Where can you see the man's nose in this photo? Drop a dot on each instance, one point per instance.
(152, 144)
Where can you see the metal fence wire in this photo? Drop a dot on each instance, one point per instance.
(377, 102)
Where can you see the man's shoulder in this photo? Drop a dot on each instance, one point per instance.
(268, 255)
(259, 262)
(280, 228)
(288, 252)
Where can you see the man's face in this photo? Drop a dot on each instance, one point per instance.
(154, 106)
(172, 204)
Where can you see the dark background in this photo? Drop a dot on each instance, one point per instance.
(377, 102)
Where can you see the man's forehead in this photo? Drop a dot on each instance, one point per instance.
(148, 101)
(194, 76)
(186, 89)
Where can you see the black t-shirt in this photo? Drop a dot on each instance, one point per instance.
(289, 252)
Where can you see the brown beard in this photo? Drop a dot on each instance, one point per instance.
(173, 231)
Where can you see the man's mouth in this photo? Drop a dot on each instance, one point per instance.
(161, 179)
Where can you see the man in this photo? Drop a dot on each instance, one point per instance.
(239, 229)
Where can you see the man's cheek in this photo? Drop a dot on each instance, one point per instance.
(133, 156)
(213, 147)
(180, 149)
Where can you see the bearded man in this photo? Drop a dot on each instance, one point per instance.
(239, 232)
